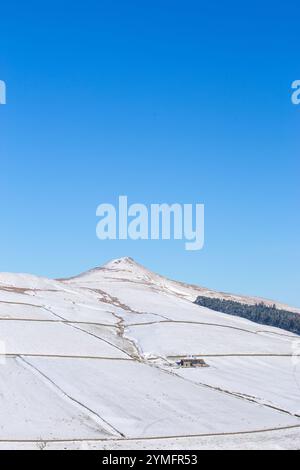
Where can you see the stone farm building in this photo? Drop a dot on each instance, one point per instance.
(192, 362)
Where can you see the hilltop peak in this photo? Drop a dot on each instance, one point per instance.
(124, 261)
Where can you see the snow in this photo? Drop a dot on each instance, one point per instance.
(144, 401)
(48, 338)
(274, 381)
(91, 363)
(182, 339)
(129, 270)
(249, 376)
(26, 281)
(31, 409)
(24, 312)
(284, 439)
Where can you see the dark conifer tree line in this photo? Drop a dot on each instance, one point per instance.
(259, 313)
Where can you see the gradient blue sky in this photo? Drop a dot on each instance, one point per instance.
(165, 101)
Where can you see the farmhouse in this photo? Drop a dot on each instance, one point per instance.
(192, 362)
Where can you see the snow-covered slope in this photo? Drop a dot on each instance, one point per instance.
(127, 269)
(92, 360)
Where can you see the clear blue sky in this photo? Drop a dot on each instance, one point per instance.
(165, 101)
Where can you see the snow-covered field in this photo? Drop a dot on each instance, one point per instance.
(33, 409)
(90, 362)
(248, 376)
(170, 339)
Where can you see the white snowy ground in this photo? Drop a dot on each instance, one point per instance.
(90, 362)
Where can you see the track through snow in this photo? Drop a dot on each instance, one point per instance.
(92, 361)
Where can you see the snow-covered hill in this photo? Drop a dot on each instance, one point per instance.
(91, 362)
